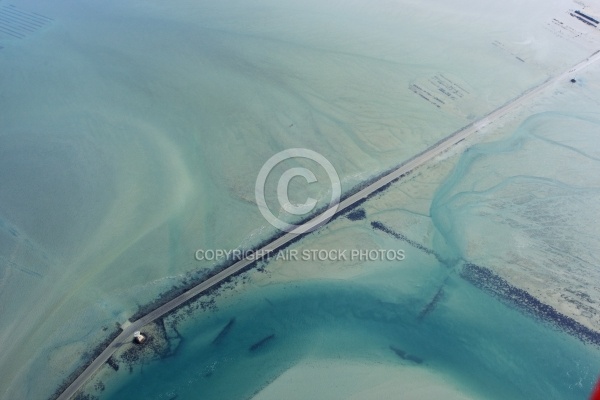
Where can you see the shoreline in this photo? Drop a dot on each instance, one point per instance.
(490, 282)
(486, 280)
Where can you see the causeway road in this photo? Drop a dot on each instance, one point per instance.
(438, 148)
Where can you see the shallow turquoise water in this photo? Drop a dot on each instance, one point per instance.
(542, 183)
(132, 133)
(486, 347)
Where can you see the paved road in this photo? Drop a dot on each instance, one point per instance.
(127, 335)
